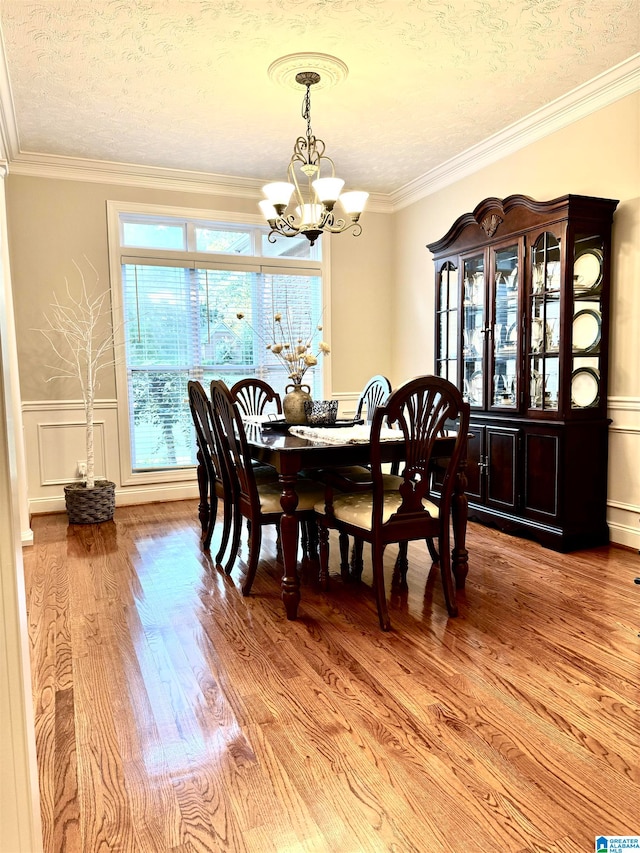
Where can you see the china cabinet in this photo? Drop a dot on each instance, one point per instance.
(522, 327)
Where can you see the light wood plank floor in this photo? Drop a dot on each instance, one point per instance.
(174, 715)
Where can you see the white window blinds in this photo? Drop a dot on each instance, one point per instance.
(181, 323)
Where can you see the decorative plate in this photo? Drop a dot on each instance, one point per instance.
(585, 387)
(587, 271)
(586, 330)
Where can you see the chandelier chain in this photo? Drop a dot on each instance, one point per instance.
(306, 110)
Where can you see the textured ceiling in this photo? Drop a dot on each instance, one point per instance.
(183, 84)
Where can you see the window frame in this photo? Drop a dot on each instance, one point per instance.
(193, 216)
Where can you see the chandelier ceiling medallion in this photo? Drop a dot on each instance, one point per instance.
(305, 203)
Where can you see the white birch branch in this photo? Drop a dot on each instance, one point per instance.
(81, 333)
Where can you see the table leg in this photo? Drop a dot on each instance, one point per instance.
(459, 513)
(289, 542)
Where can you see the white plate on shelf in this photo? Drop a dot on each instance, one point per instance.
(475, 388)
(587, 270)
(585, 387)
(587, 326)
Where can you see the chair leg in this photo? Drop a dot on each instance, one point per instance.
(211, 522)
(278, 541)
(227, 518)
(323, 535)
(304, 540)
(432, 550)
(402, 563)
(357, 563)
(312, 539)
(235, 539)
(377, 554)
(447, 576)
(254, 555)
(204, 510)
(343, 540)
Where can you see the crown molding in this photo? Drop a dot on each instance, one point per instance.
(9, 143)
(152, 177)
(608, 87)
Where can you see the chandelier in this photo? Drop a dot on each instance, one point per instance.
(306, 204)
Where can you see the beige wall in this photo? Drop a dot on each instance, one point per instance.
(382, 301)
(52, 222)
(362, 304)
(599, 156)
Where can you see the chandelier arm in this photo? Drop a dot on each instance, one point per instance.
(294, 180)
(322, 156)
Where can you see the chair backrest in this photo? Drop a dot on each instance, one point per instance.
(232, 440)
(205, 434)
(423, 410)
(253, 396)
(375, 393)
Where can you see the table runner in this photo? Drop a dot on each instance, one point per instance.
(360, 434)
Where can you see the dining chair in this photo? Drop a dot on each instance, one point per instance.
(423, 409)
(258, 502)
(213, 482)
(374, 394)
(253, 396)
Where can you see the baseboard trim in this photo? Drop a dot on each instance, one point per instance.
(623, 534)
(124, 497)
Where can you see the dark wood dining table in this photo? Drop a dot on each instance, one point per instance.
(290, 454)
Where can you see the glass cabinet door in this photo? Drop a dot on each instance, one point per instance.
(473, 331)
(505, 325)
(447, 320)
(586, 325)
(543, 333)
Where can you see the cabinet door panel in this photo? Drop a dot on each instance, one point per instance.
(502, 454)
(475, 454)
(541, 473)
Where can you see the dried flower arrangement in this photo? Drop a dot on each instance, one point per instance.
(293, 345)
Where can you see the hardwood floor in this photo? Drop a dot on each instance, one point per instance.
(174, 715)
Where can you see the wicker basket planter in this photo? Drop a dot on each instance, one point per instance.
(90, 506)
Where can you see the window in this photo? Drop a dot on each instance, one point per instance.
(181, 283)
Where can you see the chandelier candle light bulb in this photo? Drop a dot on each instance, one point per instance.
(313, 213)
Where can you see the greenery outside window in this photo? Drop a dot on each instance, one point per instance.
(180, 283)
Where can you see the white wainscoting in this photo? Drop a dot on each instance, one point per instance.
(623, 493)
(54, 442)
(347, 402)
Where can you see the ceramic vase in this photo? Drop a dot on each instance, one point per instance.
(293, 403)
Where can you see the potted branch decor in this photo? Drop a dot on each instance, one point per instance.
(81, 335)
